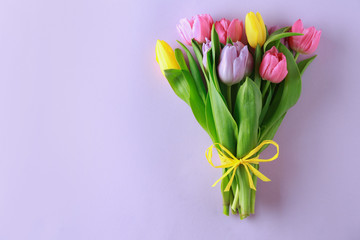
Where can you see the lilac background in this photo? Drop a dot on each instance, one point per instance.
(95, 145)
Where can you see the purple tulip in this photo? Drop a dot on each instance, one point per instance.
(236, 62)
(205, 48)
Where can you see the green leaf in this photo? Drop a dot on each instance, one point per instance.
(195, 72)
(271, 132)
(266, 105)
(199, 56)
(305, 63)
(226, 127)
(196, 103)
(215, 49)
(215, 44)
(180, 59)
(229, 41)
(247, 112)
(287, 93)
(281, 30)
(279, 36)
(178, 83)
(210, 65)
(210, 123)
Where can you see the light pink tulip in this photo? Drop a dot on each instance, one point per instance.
(307, 43)
(198, 27)
(273, 66)
(225, 29)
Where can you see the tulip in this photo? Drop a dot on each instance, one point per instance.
(273, 66)
(236, 62)
(272, 29)
(165, 56)
(307, 43)
(205, 48)
(226, 29)
(255, 29)
(198, 27)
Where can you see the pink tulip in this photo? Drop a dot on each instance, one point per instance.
(225, 29)
(307, 43)
(198, 27)
(274, 28)
(273, 66)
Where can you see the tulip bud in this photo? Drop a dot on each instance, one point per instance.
(307, 43)
(205, 48)
(165, 56)
(272, 29)
(255, 29)
(236, 62)
(198, 27)
(226, 29)
(273, 66)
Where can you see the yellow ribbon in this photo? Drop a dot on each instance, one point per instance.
(228, 160)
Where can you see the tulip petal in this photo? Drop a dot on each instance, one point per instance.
(307, 43)
(202, 28)
(239, 46)
(251, 29)
(225, 68)
(297, 27)
(165, 56)
(279, 72)
(184, 29)
(234, 30)
(239, 66)
(220, 29)
(261, 29)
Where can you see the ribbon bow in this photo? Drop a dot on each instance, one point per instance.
(228, 160)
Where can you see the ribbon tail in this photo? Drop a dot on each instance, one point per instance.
(231, 179)
(251, 183)
(223, 176)
(258, 174)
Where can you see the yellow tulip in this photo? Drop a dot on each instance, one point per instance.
(255, 29)
(165, 56)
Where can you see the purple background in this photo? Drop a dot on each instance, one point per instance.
(95, 145)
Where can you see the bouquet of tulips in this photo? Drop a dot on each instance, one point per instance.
(239, 93)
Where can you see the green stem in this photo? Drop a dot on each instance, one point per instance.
(258, 55)
(244, 196)
(267, 84)
(236, 199)
(296, 56)
(231, 198)
(226, 195)
(228, 97)
(235, 189)
(252, 191)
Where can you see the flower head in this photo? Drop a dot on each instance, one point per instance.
(198, 27)
(273, 66)
(229, 29)
(165, 56)
(255, 29)
(307, 43)
(236, 62)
